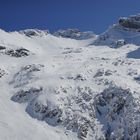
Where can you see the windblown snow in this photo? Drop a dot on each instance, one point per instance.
(71, 85)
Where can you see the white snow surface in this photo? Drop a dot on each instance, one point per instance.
(53, 93)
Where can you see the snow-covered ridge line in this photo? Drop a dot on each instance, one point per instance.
(68, 33)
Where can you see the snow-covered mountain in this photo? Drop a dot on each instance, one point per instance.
(126, 31)
(71, 85)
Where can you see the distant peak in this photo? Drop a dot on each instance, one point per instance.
(126, 31)
(131, 22)
(34, 32)
(74, 34)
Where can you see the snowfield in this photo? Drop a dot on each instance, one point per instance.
(70, 85)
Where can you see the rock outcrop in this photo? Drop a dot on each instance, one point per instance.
(132, 22)
(74, 34)
(34, 32)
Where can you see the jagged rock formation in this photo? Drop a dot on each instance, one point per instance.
(116, 108)
(24, 96)
(2, 73)
(74, 34)
(132, 22)
(18, 52)
(34, 32)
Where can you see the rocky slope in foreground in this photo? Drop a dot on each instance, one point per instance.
(61, 87)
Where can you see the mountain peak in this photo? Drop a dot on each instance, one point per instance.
(131, 22)
(34, 32)
(74, 34)
(126, 31)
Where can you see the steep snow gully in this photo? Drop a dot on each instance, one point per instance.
(71, 85)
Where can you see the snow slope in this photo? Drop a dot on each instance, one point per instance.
(60, 88)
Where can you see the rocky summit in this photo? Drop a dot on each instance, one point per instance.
(132, 22)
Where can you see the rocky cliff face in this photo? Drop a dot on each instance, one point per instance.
(74, 34)
(132, 22)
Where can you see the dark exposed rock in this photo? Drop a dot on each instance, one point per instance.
(99, 73)
(132, 22)
(34, 32)
(120, 42)
(109, 72)
(25, 96)
(77, 124)
(69, 51)
(54, 114)
(122, 62)
(2, 48)
(78, 77)
(115, 106)
(44, 112)
(115, 94)
(83, 130)
(132, 72)
(102, 72)
(86, 93)
(86, 96)
(137, 78)
(74, 34)
(2, 73)
(17, 53)
(104, 37)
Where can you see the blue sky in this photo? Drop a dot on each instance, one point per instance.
(94, 15)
